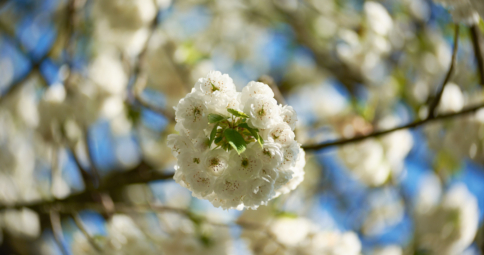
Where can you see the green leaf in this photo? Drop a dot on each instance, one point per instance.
(235, 140)
(237, 113)
(214, 118)
(254, 132)
(213, 87)
(218, 139)
(212, 134)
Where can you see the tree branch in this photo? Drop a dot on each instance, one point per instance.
(142, 173)
(95, 176)
(81, 227)
(476, 44)
(414, 124)
(436, 101)
(57, 231)
(72, 208)
(141, 78)
(35, 64)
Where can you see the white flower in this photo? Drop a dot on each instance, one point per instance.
(247, 165)
(123, 238)
(192, 113)
(215, 162)
(229, 187)
(289, 115)
(220, 102)
(378, 18)
(464, 11)
(389, 250)
(452, 99)
(23, 223)
(128, 15)
(297, 175)
(265, 161)
(449, 228)
(280, 133)
(187, 239)
(200, 181)
(260, 191)
(299, 236)
(272, 154)
(177, 143)
(290, 155)
(215, 84)
(263, 111)
(256, 88)
(373, 160)
(334, 243)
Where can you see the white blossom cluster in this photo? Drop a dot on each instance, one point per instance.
(365, 52)
(298, 236)
(448, 227)
(447, 138)
(22, 223)
(123, 237)
(183, 237)
(372, 161)
(464, 11)
(235, 149)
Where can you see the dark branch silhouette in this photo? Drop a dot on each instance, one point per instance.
(414, 124)
(436, 101)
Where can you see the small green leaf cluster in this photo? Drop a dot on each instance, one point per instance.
(232, 131)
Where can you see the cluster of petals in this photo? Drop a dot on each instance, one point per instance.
(464, 11)
(449, 226)
(126, 236)
(297, 236)
(227, 178)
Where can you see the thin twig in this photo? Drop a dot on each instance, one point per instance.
(81, 227)
(96, 181)
(476, 44)
(414, 124)
(141, 78)
(142, 173)
(57, 231)
(72, 208)
(436, 100)
(86, 176)
(137, 92)
(35, 64)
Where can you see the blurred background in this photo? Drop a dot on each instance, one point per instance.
(86, 96)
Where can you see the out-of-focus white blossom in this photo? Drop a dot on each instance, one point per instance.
(123, 238)
(187, 239)
(123, 23)
(378, 18)
(297, 236)
(458, 139)
(181, 237)
(388, 250)
(23, 223)
(464, 11)
(452, 99)
(449, 227)
(364, 53)
(373, 160)
(386, 211)
(272, 162)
